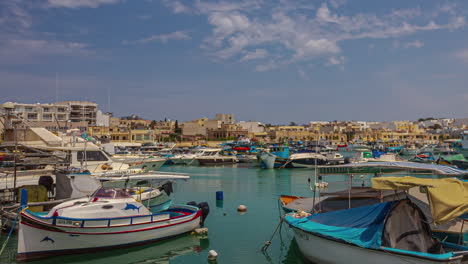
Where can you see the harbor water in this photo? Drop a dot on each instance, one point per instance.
(237, 238)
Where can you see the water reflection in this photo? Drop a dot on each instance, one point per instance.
(159, 252)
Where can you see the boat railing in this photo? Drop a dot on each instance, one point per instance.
(181, 211)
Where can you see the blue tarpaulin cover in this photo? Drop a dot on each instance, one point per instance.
(361, 226)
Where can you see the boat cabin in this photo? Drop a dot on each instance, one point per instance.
(104, 202)
(210, 152)
(464, 139)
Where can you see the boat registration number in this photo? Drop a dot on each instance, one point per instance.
(68, 222)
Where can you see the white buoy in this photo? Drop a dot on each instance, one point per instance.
(201, 231)
(242, 208)
(212, 255)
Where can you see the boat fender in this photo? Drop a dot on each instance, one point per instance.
(242, 208)
(212, 255)
(201, 231)
(104, 166)
(300, 214)
(205, 208)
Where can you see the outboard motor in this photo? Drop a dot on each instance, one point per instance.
(47, 182)
(205, 208)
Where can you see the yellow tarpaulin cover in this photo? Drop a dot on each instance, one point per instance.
(448, 198)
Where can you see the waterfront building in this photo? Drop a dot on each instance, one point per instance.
(226, 132)
(103, 119)
(252, 126)
(81, 111)
(50, 116)
(225, 118)
(40, 112)
(198, 128)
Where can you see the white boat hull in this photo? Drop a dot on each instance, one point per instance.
(267, 160)
(39, 240)
(185, 161)
(325, 251)
(149, 165)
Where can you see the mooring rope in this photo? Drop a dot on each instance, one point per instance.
(11, 230)
(268, 243)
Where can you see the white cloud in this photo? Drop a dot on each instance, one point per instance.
(414, 44)
(337, 3)
(301, 35)
(163, 38)
(267, 66)
(323, 14)
(257, 54)
(20, 51)
(176, 6)
(19, 44)
(206, 7)
(13, 15)
(80, 3)
(333, 61)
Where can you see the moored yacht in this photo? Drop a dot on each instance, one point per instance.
(214, 156)
(306, 160)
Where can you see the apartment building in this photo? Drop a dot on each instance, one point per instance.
(81, 111)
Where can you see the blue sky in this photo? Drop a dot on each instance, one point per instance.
(271, 61)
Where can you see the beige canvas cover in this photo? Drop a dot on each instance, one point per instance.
(448, 198)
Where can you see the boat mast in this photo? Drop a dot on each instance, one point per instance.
(315, 176)
(14, 156)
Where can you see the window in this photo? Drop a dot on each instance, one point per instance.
(46, 109)
(61, 117)
(32, 116)
(91, 156)
(28, 108)
(47, 117)
(61, 109)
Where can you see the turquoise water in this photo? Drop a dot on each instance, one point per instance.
(237, 238)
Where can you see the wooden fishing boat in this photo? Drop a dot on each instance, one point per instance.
(384, 233)
(390, 232)
(111, 218)
(332, 201)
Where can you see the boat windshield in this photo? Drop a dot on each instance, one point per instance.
(111, 194)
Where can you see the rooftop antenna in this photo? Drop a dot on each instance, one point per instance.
(56, 87)
(108, 100)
